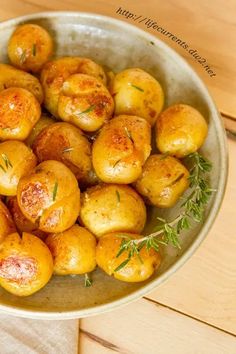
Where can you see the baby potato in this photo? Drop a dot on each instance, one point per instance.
(137, 93)
(163, 180)
(85, 102)
(121, 149)
(42, 123)
(50, 197)
(16, 160)
(136, 270)
(55, 72)
(29, 47)
(12, 77)
(21, 222)
(66, 143)
(26, 264)
(109, 207)
(73, 251)
(7, 225)
(180, 130)
(19, 112)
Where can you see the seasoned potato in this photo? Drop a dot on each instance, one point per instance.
(73, 251)
(16, 160)
(12, 77)
(42, 123)
(136, 269)
(180, 130)
(163, 180)
(19, 112)
(29, 47)
(109, 208)
(21, 222)
(7, 225)
(121, 149)
(55, 72)
(137, 93)
(85, 102)
(26, 264)
(50, 196)
(66, 143)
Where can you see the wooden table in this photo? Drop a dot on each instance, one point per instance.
(195, 310)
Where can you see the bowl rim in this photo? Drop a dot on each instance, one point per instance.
(135, 295)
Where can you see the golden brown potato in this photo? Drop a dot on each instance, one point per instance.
(180, 130)
(7, 225)
(137, 93)
(50, 196)
(73, 251)
(42, 123)
(12, 77)
(163, 180)
(16, 160)
(121, 149)
(136, 269)
(109, 208)
(19, 112)
(55, 72)
(21, 222)
(26, 264)
(30, 47)
(85, 102)
(66, 143)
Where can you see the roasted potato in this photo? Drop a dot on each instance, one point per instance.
(16, 160)
(85, 102)
(7, 225)
(163, 180)
(21, 222)
(26, 264)
(137, 93)
(136, 270)
(73, 251)
(50, 197)
(12, 77)
(30, 46)
(42, 123)
(121, 149)
(19, 112)
(55, 72)
(180, 130)
(109, 208)
(66, 143)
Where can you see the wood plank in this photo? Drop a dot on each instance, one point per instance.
(146, 328)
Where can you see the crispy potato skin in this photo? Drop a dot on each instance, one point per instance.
(19, 112)
(55, 72)
(7, 225)
(85, 102)
(66, 143)
(135, 270)
(12, 77)
(121, 149)
(73, 251)
(42, 123)
(30, 47)
(16, 160)
(180, 130)
(26, 264)
(50, 196)
(137, 93)
(163, 180)
(110, 208)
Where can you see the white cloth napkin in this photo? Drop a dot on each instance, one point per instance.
(26, 336)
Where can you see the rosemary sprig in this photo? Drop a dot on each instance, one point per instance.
(192, 209)
(87, 280)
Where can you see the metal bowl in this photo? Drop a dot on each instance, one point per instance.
(118, 45)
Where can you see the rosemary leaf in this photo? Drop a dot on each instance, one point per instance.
(89, 109)
(87, 280)
(128, 133)
(34, 49)
(118, 196)
(54, 193)
(137, 88)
